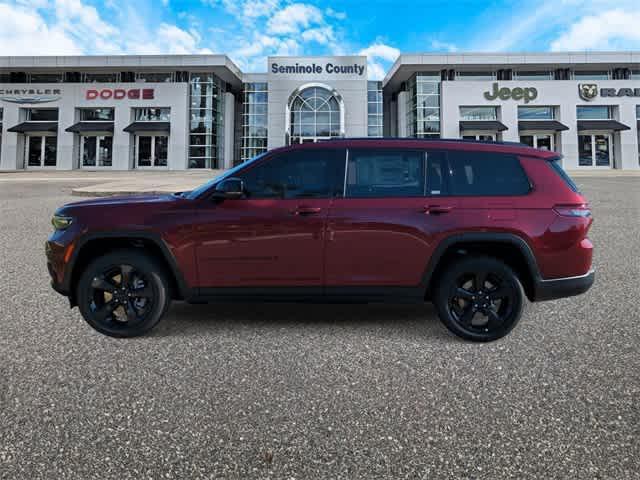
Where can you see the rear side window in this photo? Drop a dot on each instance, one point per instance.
(486, 174)
(556, 167)
(385, 173)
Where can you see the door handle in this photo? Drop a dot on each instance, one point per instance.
(437, 209)
(303, 211)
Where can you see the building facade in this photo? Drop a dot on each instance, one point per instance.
(199, 112)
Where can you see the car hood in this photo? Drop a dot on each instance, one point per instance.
(118, 201)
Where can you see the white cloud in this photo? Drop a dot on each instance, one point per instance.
(379, 56)
(443, 46)
(25, 32)
(321, 35)
(334, 14)
(613, 29)
(293, 18)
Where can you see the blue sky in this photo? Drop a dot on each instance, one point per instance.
(250, 30)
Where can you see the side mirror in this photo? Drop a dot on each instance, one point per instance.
(230, 188)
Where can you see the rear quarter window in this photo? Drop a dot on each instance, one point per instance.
(556, 167)
(486, 174)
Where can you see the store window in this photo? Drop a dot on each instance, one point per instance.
(254, 119)
(423, 105)
(42, 115)
(477, 75)
(374, 109)
(152, 114)
(97, 114)
(479, 113)
(101, 77)
(634, 75)
(536, 113)
(533, 75)
(591, 75)
(45, 77)
(155, 77)
(315, 113)
(206, 124)
(594, 112)
(151, 150)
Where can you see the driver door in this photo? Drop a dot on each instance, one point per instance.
(274, 235)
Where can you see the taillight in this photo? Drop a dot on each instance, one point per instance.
(574, 210)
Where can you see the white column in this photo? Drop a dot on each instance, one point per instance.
(627, 159)
(229, 123)
(11, 153)
(509, 116)
(67, 156)
(569, 138)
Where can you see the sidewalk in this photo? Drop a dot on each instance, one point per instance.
(106, 183)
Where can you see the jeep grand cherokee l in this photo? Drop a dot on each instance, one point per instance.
(472, 227)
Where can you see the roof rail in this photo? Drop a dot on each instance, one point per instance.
(455, 140)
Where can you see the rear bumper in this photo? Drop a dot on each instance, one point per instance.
(563, 287)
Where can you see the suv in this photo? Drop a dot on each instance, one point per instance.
(473, 227)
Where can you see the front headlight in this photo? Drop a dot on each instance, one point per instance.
(60, 222)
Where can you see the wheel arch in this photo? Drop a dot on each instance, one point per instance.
(509, 248)
(91, 246)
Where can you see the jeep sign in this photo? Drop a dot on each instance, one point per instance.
(517, 93)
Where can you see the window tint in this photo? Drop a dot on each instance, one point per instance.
(297, 174)
(385, 173)
(485, 173)
(437, 173)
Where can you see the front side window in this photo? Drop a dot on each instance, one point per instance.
(594, 112)
(479, 113)
(486, 174)
(152, 114)
(296, 175)
(385, 173)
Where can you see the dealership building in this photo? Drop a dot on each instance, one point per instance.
(180, 112)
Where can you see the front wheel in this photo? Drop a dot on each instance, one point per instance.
(479, 299)
(123, 293)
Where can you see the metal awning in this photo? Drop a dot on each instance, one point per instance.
(148, 127)
(611, 125)
(91, 127)
(26, 127)
(542, 125)
(483, 125)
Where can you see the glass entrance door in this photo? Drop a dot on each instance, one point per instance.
(41, 151)
(481, 137)
(543, 141)
(151, 151)
(96, 151)
(595, 150)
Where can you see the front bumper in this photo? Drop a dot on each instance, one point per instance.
(563, 287)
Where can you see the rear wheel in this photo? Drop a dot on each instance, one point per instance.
(479, 299)
(123, 294)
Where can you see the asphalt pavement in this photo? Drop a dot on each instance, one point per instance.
(328, 391)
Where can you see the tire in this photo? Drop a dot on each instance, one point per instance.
(128, 309)
(479, 298)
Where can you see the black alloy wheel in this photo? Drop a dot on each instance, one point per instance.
(479, 299)
(123, 294)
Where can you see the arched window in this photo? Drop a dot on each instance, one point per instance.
(314, 113)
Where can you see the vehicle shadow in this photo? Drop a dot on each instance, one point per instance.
(395, 320)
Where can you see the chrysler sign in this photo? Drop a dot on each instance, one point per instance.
(30, 95)
(121, 94)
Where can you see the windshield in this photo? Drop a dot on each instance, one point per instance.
(195, 193)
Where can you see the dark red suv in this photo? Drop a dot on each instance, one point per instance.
(473, 227)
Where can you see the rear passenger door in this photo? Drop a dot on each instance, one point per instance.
(380, 233)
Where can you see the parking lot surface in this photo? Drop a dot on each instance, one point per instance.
(321, 391)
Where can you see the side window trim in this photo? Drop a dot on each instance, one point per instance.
(346, 171)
